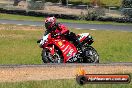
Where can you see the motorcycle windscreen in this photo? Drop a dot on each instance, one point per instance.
(44, 39)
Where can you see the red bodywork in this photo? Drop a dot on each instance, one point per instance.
(68, 49)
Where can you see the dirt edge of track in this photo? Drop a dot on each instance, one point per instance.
(18, 74)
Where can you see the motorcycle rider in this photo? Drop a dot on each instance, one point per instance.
(57, 29)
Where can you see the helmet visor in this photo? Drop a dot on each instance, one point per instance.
(47, 25)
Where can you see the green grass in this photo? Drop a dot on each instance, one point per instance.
(105, 2)
(111, 2)
(31, 18)
(20, 17)
(20, 47)
(113, 46)
(60, 84)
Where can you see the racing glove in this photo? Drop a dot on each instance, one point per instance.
(39, 41)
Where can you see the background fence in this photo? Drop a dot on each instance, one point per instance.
(83, 8)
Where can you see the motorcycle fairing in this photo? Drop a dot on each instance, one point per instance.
(68, 49)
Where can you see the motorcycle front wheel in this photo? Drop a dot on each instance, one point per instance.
(47, 57)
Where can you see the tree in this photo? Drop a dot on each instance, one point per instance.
(127, 8)
(96, 2)
(16, 2)
(64, 2)
(127, 4)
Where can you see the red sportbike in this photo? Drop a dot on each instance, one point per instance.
(59, 50)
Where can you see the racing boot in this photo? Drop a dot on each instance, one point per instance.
(80, 46)
(72, 37)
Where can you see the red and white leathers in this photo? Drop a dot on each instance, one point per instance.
(60, 29)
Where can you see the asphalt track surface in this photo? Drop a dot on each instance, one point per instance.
(74, 25)
(68, 65)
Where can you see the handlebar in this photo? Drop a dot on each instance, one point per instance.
(59, 34)
(38, 41)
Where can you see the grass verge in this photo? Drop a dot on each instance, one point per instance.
(105, 2)
(31, 18)
(71, 83)
(20, 47)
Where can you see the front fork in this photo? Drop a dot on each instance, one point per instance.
(51, 49)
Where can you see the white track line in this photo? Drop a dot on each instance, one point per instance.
(19, 24)
(3, 23)
(78, 28)
(33, 25)
(92, 29)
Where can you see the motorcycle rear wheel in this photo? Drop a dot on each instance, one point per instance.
(91, 55)
(47, 57)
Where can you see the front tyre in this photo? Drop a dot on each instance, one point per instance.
(91, 55)
(47, 57)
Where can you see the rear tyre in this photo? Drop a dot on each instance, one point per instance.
(91, 55)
